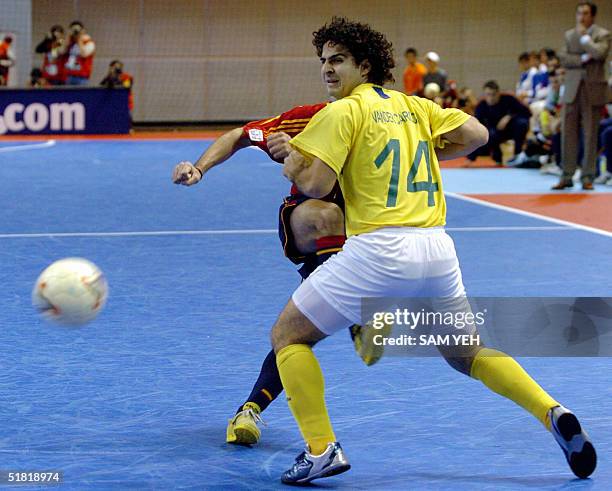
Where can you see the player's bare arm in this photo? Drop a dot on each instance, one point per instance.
(223, 148)
(463, 140)
(312, 176)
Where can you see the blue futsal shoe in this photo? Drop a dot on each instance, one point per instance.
(574, 441)
(308, 467)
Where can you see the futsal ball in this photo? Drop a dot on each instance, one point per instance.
(70, 291)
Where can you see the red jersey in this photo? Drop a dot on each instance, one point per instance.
(291, 122)
(77, 65)
(4, 55)
(53, 67)
(4, 49)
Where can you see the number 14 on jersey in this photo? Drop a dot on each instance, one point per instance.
(393, 147)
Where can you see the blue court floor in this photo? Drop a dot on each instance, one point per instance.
(140, 398)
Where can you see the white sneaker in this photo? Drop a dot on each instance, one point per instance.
(552, 169)
(603, 178)
(518, 159)
(574, 441)
(543, 159)
(308, 467)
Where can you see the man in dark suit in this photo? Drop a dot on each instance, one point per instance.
(583, 57)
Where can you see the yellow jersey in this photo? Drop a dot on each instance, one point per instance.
(381, 145)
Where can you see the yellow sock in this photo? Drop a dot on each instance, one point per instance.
(502, 374)
(303, 382)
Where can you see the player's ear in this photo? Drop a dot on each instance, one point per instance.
(365, 68)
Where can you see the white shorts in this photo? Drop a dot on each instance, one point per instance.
(389, 262)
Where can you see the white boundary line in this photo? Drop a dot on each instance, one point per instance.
(32, 146)
(530, 214)
(242, 232)
(504, 229)
(142, 233)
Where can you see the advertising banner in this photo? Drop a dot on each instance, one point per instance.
(64, 110)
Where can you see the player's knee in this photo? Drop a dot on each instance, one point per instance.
(315, 218)
(330, 221)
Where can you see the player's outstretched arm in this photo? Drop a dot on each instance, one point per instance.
(463, 140)
(223, 148)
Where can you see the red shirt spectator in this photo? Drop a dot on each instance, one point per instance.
(6, 59)
(81, 50)
(53, 49)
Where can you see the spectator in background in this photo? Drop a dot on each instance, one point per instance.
(523, 63)
(505, 118)
(543, 147)
(37, 80)
(541, 78)
(528, 64)
(585, 92)
(605, 139)
(53, 48)
(81, 50)
(546, 54)
(450, 95)
(116, 78)
(553, 63)
(465, 101)
(7, 59)
(548, 128)
(540, 86)
(413, 74)
(434, 74)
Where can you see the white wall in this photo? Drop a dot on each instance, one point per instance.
(16, 17)
(236, 59)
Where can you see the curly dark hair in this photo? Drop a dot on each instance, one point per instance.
(363, 42)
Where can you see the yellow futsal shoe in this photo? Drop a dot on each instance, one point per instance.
(242, 429)
(363, 339)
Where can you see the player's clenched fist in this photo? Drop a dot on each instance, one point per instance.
(278, 144)
(295, 163)
(186, 173)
